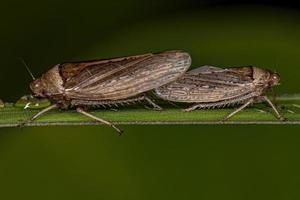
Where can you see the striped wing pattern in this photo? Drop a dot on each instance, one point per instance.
(209, 84)
(121, 78)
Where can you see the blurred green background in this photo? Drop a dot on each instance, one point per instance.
(149, 162)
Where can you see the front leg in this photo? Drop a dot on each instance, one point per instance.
(52, 107)
(278, 115)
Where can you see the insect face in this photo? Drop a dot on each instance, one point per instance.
(274, 79)
(265, 78)
(48, 84)
(38, 88)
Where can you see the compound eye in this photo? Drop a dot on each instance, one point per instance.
(276, 77)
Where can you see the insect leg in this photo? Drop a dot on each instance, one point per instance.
(155, 106)
(194, 107)
(238, 110)
(54, 106)
(80, 110)
(279, 116)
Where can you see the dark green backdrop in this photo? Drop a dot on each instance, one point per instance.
(148, 162)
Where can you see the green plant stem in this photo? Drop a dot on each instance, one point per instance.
(288, 105)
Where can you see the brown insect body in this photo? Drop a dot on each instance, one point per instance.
(109, 81)
(210, 87)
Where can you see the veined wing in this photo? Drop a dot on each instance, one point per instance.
(125, 77)
(78, 73)
(209, 84)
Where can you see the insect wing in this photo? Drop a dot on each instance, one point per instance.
(209, 84)
(122, 78)
(76, 73)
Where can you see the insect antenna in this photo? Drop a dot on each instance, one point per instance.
(27, 68)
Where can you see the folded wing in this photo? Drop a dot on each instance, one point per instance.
(121, 78)
(209, 84)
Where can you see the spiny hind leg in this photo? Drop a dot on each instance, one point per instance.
(238, 109)
(42, 112)
(83, 112)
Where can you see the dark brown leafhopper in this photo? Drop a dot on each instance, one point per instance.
(108, 81)
(214, 87)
